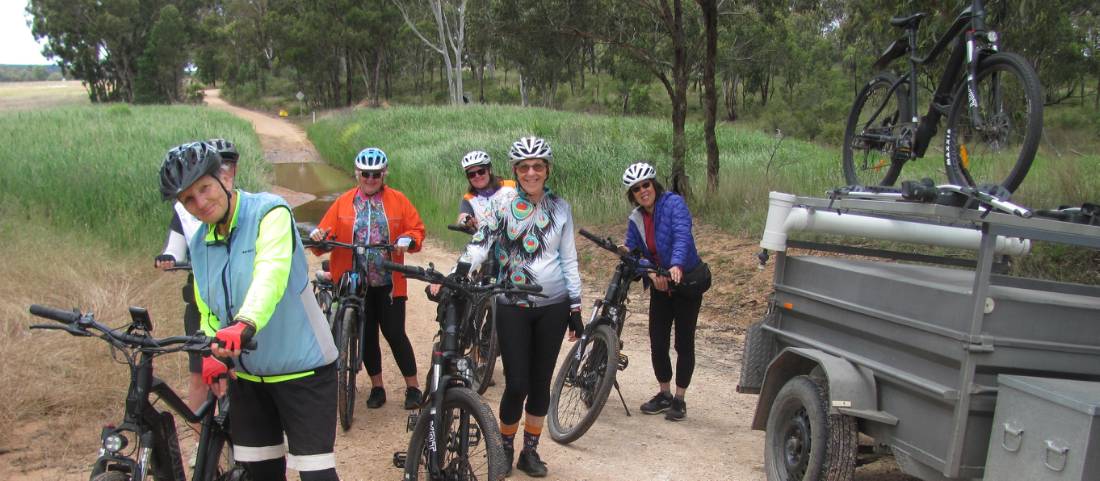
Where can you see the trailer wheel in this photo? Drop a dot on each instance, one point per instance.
(803, 441)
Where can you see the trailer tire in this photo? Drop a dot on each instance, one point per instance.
(803, 441)
(759, 350)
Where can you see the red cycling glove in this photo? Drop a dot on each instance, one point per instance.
(236, 336)
(212, 370)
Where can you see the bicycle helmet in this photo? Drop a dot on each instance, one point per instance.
(185, 164)
(475, 157)
(637, 173)
(226, 148)
(371, 158)
(530, 148)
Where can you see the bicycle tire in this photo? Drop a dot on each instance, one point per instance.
(460, 405)
(347, 345)
(973, 156)
(485, 348)
(111, 476)
(588, 388)
(862, 120)
(220, 465)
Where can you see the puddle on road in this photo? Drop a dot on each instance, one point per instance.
(319, 179)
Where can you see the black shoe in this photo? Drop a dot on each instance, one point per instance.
(677, 411)
(377, 397)
(412, 398)
(509, 453)
(659, 404)
(530, 463)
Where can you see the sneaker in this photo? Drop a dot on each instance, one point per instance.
(509, 453)
(659, 404)
(530, 463)
(677, 411)
(377, 397)
(412, 398)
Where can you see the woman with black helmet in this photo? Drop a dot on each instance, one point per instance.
(531, 235)
(251, 281)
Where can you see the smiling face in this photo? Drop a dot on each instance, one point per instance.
(478, 176)
(370, 181)
(205, 199)
(644, 194)
(532, 174)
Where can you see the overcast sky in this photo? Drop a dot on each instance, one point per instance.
(17, 45)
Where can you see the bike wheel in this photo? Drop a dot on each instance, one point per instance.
(220, 465)
(878, 119)
(112, 476)
(471, 447)
(1001, 149)
(581, 387)
(346, 368)
(484, 350)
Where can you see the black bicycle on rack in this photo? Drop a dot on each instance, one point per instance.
(146, 444)
(455, 435)
(992, 100)
(587, 373)
(347, 309)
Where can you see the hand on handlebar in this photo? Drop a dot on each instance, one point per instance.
(319, 234)
(233, 339)
(659, 282)
(403, 244)
(164, 261)
(214, 373)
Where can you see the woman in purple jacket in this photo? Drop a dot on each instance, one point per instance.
(660, 227)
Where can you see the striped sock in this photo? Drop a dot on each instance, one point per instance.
(508, 435)
(531, 437)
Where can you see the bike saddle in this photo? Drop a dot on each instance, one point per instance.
(910, 22)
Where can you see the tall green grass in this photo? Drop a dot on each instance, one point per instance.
(94, 169)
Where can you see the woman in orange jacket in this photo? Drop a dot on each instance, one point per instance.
(373, 213)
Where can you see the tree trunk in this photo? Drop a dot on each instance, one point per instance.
(710, 106)
(678, 181)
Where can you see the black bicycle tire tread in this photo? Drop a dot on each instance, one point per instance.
(487, 374)
(345, 371)
(485, 419)
(601, 393)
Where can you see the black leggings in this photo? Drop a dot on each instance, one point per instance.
(530, 339)
(665, 311)
(388, 315)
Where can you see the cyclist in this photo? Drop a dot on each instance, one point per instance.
(372, 213)
(251, 283)
(660, 226)
(531, 235)
(180, 231)
(484, 190)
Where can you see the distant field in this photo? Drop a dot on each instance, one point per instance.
(36, 95)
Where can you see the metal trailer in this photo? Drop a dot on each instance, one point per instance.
(909, 354)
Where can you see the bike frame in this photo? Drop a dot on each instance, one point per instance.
(445, 374)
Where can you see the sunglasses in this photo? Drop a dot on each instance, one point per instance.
(371, 174)
(643, 185)
(476, 172)
(523, 168)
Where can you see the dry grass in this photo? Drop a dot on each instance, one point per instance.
(58, 389)
(37, 95)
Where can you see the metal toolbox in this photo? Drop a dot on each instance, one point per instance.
(1045, 430)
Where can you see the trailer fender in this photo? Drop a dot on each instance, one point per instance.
(852, 388)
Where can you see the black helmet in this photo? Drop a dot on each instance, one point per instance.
(226, 148)
(185, 164)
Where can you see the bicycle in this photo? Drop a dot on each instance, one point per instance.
(992, 100)
(156, 453)
(587, 373)
(346, 321)
(454, 423)
(486, 349)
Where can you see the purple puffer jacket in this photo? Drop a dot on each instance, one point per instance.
(672, 222)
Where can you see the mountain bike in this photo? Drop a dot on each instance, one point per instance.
(346, 321)
(486, 349)
(455, 435)
(587, 373)
(150, 433)
(992, 100)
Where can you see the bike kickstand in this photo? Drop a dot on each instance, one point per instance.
(621, 397)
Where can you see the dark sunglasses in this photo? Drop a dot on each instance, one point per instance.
(371, 174)
(476, 172)
(643, 185)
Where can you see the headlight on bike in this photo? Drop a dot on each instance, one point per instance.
(114, 442)
(462, 364)
(991, 36)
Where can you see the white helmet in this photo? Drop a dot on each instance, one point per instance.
(637, 173)
(475, 157)
(371, 158)
(530, 148)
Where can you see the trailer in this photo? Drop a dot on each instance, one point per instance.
(955, 367)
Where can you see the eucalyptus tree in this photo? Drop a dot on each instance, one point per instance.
(449, 19)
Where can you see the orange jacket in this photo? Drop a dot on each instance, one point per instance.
(403, 220)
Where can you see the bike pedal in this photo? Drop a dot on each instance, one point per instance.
(411, 422)
(399, 459)
(623, 361)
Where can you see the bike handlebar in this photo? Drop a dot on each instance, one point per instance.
(330, 243)
(433, 276)
(635, 260)
(77, 324)
(463, 228)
